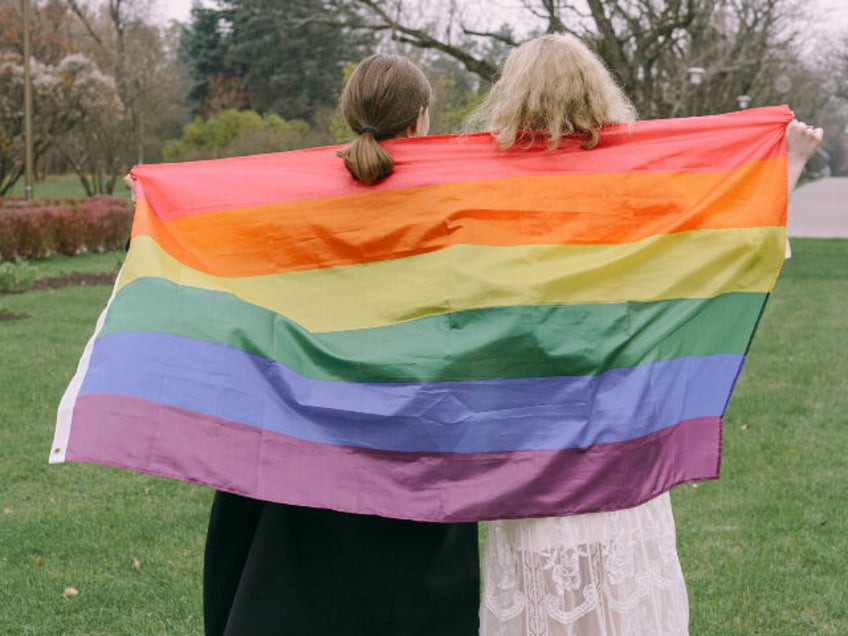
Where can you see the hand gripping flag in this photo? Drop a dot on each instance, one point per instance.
(483, 335)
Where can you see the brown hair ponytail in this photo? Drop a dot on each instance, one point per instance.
(381, 100)
(367, 160)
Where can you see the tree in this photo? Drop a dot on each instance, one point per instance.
(455, 92)
(136, 54)
(93, 145)
(649, 45)
(217, 84)
(833, 73)
(284, 55)
(50, 39)
(64, 96)
(140, 99)
(447, 34)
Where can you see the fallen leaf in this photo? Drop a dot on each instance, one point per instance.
(744, 427)
(823, 522)
(70, 592)
(39, 562)
(8, 511)
(136, 564)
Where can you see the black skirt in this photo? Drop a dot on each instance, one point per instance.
(275, 570)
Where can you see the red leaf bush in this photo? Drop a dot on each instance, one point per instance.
(63, 226)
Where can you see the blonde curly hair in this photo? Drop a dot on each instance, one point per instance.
(550, 87)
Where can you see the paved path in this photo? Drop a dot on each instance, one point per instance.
(820, 209)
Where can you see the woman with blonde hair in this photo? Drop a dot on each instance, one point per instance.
(596, 574)
(551, 87)
(274, 569)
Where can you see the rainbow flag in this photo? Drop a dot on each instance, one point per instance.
(483, 335)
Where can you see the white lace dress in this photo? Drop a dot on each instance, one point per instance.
(600, 574)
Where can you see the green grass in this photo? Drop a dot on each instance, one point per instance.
(76, 525)
(59, 265)
(764, 549)
(23, 274)
(61, 186)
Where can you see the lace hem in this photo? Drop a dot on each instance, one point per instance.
(601, 574)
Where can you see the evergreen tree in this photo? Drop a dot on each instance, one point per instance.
(205, 45)
(285, 54)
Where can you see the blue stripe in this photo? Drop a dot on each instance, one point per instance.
(466, 417)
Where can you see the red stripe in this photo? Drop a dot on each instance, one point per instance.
(143, 436)
(697, 144)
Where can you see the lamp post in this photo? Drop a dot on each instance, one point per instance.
(687, 93)
(28, 170)
(696, 74)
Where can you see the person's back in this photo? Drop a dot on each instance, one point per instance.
(604, 573)
(275, 569)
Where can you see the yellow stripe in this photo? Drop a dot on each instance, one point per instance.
(698, 264)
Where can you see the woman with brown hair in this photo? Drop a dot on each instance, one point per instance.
(274, 569)
(605, 573)
(378, 81)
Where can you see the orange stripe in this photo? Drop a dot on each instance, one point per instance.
(375, 226)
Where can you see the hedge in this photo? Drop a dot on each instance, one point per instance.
(63, 226)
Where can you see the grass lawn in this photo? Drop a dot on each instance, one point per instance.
(764, 549)
(61, 265)
(60, 186)
(76, 525)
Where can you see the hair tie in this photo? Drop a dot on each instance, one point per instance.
(373, 132)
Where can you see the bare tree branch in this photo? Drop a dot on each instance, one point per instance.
(648, 44)
(498, 37)
(75, 7)
(423, 39)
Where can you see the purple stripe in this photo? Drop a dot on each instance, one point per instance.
(475, 416)
(143, 436)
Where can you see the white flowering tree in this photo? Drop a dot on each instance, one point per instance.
(46, 122)
(94, 146)
(75, 109)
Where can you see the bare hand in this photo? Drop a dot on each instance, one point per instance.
(128, 180)
(802, 141)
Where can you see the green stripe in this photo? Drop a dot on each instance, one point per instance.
(503, 342)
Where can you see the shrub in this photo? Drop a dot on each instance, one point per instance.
(17, 276)
(234, 133)
(64, 226)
